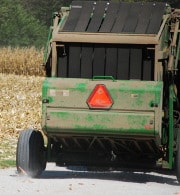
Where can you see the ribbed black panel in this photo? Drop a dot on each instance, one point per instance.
(144, 18)
(62, 53)
(123, 63)
(147, 70)
(99, 60)
(74, 61)
(132, 19)
(85, 16)
(148, 61)
(135, 63)
(111, 62)
(121, 17)
(86, 60)
(97, 17)
(116, 17)
(110, 18)
(156, 18)
(73, 16)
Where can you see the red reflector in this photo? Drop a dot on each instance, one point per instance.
(100, 98)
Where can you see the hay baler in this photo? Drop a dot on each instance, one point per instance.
(112, 91)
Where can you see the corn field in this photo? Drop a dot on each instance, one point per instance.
(21, 76)
(21, 61)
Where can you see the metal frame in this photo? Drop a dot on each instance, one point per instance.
(172, 68)
(113, 38)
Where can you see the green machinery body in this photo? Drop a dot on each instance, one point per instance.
(136, 111)
(136, 59)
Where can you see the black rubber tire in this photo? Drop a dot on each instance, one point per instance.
(30, 153)
(178, 157)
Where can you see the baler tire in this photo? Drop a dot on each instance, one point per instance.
(178, 157)
(30, 158)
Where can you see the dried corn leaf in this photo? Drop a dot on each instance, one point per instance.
(20, 108)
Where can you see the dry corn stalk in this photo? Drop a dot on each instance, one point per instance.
(20, 108)
(20, 96)
(20, 104)
(21, 61)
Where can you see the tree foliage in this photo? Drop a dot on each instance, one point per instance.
(173, 3)
(43, 9)
(18, 28)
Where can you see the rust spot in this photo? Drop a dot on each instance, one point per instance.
(148, 126)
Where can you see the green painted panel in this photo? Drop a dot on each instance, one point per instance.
(132, 111)
(128, 95)
(100, 122)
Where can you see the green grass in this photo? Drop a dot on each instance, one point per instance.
(7, 152)
(7, 163)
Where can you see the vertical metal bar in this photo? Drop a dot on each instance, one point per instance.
(177, 54)
(173, 46)
(157, 65)
(51, 31)
(171, 66)
(54, 60)
(171, 134)
(47, 47)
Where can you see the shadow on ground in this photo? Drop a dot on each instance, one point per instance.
(123, 175)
